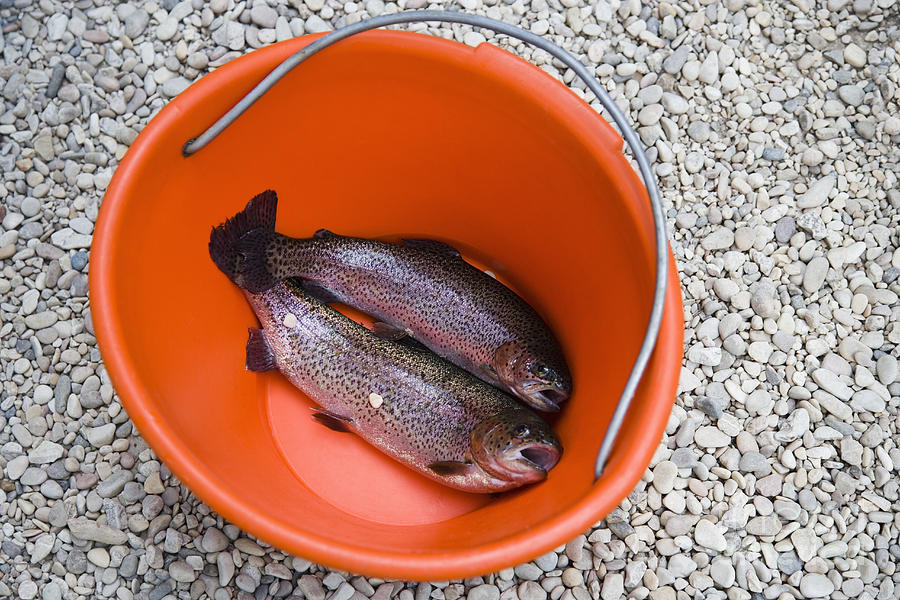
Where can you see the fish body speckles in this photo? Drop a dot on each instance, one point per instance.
(425, 410)
(419, 409)
(422, 286)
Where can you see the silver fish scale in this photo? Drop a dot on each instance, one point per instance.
(453, 308)
(429, 408)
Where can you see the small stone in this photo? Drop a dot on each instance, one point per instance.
(674, 104)
(33, 476)
(773, 154)
(785, 228)
(56, 26)
(172, 543)
(851, 94)
(816, 585)
(528, 571)
(789, 563)
(767, 526)
(832, 384)
(102, 435)
(711, 356)
(136, 22)
(806, 543)
(855, 56)
(114, 484)
(868, 401)
(213, 540)
(99, 557)
(42, 547)
(818, 193)
(675, 61)
(707, 534)
(225, 566)
(681, 565)
(315, 24)
(67, 239)
(483, 592)
(86, 529)
(16, 467)
(650, 115)
(710, 437)
(613, 587)
(182, 572)
(719, 239)
(41, 320)
(722, 572)
(814, 274)
(311, 587)
(887, 369)
(27, 590)
(263, 16)
(248, 546)
(764, 301)
(175, 86)
(572, 578)
(664, 476)
(713, 407)
(167, 29)
(76, 562)
(30, 207)
(756, 463)
(129, 566)
(230, 35)
(709, 69)
(46, 452)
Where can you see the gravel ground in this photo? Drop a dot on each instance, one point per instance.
(775, 131)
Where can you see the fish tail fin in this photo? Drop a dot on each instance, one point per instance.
(238, 246)
(260, 357)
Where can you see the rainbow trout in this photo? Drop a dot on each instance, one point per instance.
(420, 410)
(422, 288)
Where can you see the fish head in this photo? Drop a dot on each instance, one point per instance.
(540, 379)
(515, 446)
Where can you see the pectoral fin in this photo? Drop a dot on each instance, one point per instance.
(331, 420)
(434, 246)
(259, 355)
(446, 468)
(489, 373)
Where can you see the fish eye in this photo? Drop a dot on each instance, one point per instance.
(521, 431)
(544, 371)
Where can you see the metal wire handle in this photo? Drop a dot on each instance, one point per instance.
(659, 222)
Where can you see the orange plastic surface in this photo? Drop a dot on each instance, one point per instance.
(383, 134)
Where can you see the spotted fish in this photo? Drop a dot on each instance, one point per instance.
(422, 288)
(410, 404)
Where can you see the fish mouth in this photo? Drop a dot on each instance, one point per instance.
(543, 397)
(540, 456)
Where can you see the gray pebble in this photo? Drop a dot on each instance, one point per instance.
(851, 94)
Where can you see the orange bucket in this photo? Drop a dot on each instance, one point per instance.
(385, 134)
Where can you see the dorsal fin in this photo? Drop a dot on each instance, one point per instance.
(433, 246)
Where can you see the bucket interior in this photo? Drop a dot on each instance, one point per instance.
(375, 137)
